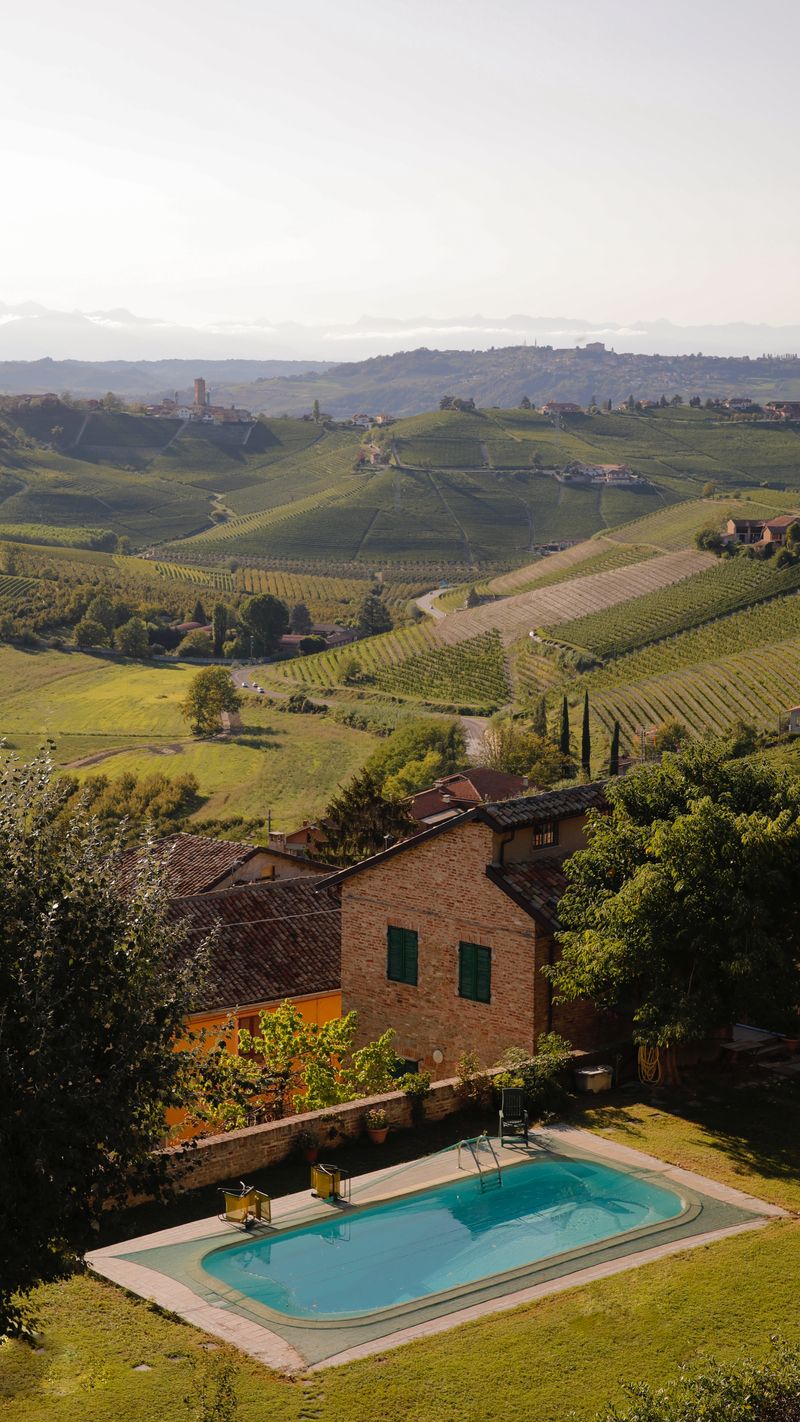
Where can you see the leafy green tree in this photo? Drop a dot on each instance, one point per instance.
(360, 820)
(196, 643)
(374, 616)
(415, 775)
(684, 902)
(91, 633)
(586, 738)
(709, 489)
(211, 692)
(315, 412)
(131, 638)
(158, 802)
(101, 609)
(525, 403)
(613, 759)
(473, 597)
(311, 644)
(300, 619)
(671, 735)
(512, 747)
(264, 620)
(198, 614)
(287, 1065)
(350, 671)
(219, 627)
(93, 996)
(413, 740)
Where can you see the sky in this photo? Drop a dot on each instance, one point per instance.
(312, 161)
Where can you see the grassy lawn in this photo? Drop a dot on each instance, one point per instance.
(563, 1356)
(117, 717)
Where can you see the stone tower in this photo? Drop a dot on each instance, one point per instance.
(199, 390)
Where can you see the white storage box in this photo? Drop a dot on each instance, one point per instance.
(594, 1078)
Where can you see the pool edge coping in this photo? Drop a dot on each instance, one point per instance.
(269, 1348)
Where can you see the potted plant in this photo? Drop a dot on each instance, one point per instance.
(377, 1126)
(309, 1145)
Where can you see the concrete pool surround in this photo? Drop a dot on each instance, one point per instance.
(168, 1267)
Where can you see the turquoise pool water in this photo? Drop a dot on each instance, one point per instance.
(451, 1235)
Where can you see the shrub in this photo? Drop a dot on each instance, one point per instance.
(746, 1391)
(541, 1077)
(474, 1081)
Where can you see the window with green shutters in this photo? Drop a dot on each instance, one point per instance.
(475, 972)
(401, 964)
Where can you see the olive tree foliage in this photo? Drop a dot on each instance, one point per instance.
(684, 906)
(93, 988)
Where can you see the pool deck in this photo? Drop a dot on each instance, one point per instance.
(275, 1352)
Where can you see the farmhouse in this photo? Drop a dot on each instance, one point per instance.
(444, 935)
(758, 531)
(561, 407)
(198, 864)
(613, 475)
(451, 794)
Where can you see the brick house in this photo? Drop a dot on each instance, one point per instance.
(444, 935)
(451, 794)
(200, 864)
(760, 531)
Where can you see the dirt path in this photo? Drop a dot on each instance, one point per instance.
(97, 757)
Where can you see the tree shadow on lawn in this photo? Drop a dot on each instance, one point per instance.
(752, 1119)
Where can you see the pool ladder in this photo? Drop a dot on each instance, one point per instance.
(489, 1174)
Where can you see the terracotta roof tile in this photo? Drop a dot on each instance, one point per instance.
(558, 804)
(271, 941)
(196, 862)
(538, 887)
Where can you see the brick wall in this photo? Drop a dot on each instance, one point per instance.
(215, 1160)
(439, 888)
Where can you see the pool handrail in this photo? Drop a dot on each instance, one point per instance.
(473, 1144)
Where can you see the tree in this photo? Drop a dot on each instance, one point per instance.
(101, 609)
(93, 995)
(564, 736)
(360, 820)
(131, 638)
(539, 718)
(287, 1065)
(415, 775)
(198, 614)
(793, 537)
(219, 627)
(196, 643)
(525, 403)
(413, 740)
(671, 735)
(613, 759)
(373, 616)
(264, 620)
(586, 739)
(313, 643)
(300, 619)
(315, 412)
(684, 902)
(350, 672)
(90, 633)
(473, 597)
(211, 692)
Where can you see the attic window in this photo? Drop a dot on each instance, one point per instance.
(545, 832)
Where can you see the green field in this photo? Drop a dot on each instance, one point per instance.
(107, 717)
(560, 1357)
(473, 674)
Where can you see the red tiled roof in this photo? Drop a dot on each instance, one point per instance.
(271, 941)
(537, 887)
(552, 804)
(195, 862)
(466, 788)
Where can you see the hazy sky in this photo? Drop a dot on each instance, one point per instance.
(320, 159)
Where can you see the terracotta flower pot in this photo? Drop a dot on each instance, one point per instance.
(311, 1153)
(377, 1134)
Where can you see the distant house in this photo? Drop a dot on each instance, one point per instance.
(200, 864)
(445, 935)
(454, 793)
(384, 419)
(760, 532)
(561, 407)
(784, 409)
(740, 403)
(300, 842)
(595, 347)
(613, 475)
(794, 720)
(363, 422)
(230, 722)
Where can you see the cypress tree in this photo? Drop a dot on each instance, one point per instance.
(563, 744)
(613, 760)
(586, 738)
(539, 723)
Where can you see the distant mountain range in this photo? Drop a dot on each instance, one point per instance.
(31, 331)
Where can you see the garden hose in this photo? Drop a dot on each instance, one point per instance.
(649, 1065)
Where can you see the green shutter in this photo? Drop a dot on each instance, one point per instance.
(483, 974)
(411, 957)
(401, 965)
(474, 972)
(394, 968)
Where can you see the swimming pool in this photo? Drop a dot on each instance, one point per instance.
(440, 1239)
